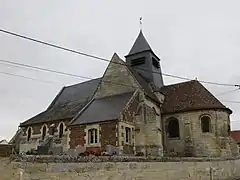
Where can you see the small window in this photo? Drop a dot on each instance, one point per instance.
(44, 132)
(173, 128)
(155, 63)
(128, 135)
(29, 134)
(61, 130)
(92, 136)
(138, 61)
(205, 124)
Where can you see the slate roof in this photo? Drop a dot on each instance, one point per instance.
(67, 103)
(187, 96)
(103, 109)
(140, 45)
(147, 89)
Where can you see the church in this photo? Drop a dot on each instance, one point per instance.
(130, 109)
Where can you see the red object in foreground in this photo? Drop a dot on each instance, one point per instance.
(236, 135)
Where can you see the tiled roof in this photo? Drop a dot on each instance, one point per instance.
(190, 95)
(103, 109)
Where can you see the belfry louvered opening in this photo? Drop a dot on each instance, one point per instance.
(138, 61)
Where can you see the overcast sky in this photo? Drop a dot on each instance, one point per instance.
(193, 38)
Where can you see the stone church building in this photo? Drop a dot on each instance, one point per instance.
(131, 109)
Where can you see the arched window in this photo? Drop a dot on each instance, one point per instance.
(29, 133)
(61, 127)
(92, 136)
(173, 128)
(206, 124)
(44, 132)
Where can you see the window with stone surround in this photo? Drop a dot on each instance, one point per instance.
(206, 124)
(173, 128)
(29, 134)
(44, 132)
(61, 128)
(92, 136)
(127, 135)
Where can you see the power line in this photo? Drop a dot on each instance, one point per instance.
(227, 92)
(44, 69)
(237, 102)
(106, 60)
(78, 76)
(29, 78)
(58, 72)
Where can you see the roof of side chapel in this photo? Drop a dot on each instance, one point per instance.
(103, 109)
(187, 96)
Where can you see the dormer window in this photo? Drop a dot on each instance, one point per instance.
(155, 63)
(138, 61)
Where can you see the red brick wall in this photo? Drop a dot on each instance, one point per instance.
(93, 149)
(108, 134)
(77, 135)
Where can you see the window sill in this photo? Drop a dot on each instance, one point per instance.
(127, 143)
(173, 138)
(207, 133)
(93, 145)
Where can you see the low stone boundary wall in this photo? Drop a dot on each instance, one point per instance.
(83, 159)
(5, 150)
(120, 168)
(221, 170)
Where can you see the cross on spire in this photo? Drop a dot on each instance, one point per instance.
(140, 23)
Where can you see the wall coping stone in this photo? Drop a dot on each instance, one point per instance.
(96, 159)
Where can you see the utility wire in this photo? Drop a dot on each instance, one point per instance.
(227, 92)
(25, 77)
(78, 76)
(43, 69)
(237, 102)
(57, 72)
(103, 59)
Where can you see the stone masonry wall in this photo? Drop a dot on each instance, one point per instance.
(148, 128)
(222, 170)
(37, 136)
(216, 143)
(116, 74)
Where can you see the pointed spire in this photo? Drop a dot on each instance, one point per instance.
(140, 45)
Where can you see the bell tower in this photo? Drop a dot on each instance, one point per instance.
(142, 58)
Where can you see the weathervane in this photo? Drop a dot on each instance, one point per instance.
(140, 23)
